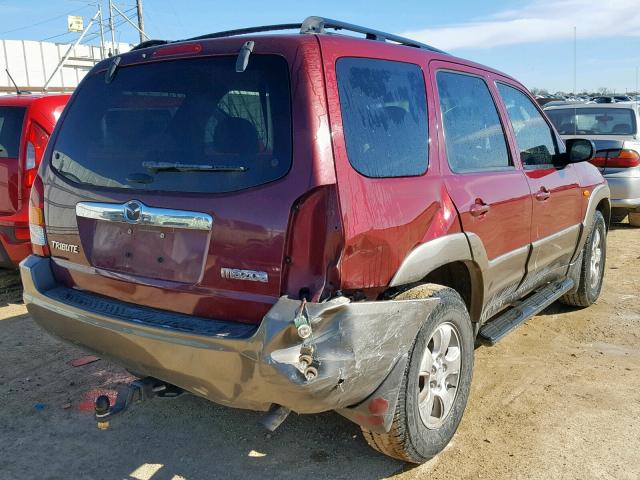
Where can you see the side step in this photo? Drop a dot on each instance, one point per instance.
(496, 329)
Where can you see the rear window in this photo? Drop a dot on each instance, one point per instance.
(384, 116)
(10, 129)
(593, 121)
(185, 125)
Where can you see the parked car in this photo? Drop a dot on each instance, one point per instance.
(603, 99)
(308, 222)
(614, 130)
(26, 122)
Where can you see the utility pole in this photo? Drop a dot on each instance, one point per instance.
(102, 50)
(111, 29)
(143, 36)
(575, 61)
(140, 20)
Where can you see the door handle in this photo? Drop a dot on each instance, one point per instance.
(543, 194)
(479, 208)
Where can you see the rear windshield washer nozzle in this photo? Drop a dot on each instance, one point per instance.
(243, 56)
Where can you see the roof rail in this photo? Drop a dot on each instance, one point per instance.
(309, 25)
(320, 24)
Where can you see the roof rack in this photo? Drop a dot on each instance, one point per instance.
(320, 24)
(310, 25)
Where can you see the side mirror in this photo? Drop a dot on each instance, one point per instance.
(579, 150)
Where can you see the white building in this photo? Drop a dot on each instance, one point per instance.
(32, 63)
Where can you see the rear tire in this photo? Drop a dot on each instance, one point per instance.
(432, 396)
(634, 219)
(594, 256)
(618, 215)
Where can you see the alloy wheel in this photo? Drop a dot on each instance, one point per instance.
(439, 375)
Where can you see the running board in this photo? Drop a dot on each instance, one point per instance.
(493, 331)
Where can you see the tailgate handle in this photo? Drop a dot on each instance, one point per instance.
(136, 212)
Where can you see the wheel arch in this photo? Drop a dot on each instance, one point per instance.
(448, 261)
(604, 207)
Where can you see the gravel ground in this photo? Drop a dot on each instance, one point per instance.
(558, 398)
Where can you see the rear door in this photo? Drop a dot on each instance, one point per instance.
(556, 193)
(487, 186)
(11, 126)
(171, 184)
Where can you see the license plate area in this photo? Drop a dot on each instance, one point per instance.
(163, 253)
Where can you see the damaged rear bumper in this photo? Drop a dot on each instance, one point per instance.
(359, 350)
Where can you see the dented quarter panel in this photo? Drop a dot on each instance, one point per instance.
(397, 214)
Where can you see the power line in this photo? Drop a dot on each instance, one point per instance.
(92, 36)
(45, 21)
(116, 25)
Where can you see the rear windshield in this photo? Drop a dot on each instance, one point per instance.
(10, 128)
(185, 125)
(593, 121)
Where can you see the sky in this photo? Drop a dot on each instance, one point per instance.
(532, 40)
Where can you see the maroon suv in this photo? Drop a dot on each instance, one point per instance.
(308, 222)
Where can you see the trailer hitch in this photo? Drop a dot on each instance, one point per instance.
(137, 391)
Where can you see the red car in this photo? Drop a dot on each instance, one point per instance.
(26, 122)
(308, 222)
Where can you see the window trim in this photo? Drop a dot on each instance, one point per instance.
(552, 129)
(426, 103)
(507, 168)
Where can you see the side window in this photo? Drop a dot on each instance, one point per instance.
(534, 137)
(473, 133)
(384, 116)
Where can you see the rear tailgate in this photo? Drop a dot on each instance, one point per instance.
(171, 186)
(11, 123)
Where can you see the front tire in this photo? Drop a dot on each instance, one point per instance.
(436, 382)
(594, 255)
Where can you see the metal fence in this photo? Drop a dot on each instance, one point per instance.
(32, 63)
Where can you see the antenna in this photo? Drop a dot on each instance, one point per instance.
(18, 91)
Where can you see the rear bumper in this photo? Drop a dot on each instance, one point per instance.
(625, 191)
(359, 349)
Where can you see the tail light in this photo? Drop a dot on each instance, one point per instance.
(37, 140)
(624, 159)
(37, 232)
(314, 244)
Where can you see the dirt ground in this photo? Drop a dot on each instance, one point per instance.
(559, 398)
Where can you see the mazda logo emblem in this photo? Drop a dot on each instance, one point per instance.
(132, 211)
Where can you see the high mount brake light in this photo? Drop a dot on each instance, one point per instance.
(184, 49)
(624, 159)
(37, 140)
(37, 232)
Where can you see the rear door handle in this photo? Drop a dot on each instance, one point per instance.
(543, 194)
(479, 208)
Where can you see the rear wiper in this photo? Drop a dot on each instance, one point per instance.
(188, 167)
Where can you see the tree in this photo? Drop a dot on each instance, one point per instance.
(539, 91)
